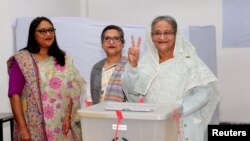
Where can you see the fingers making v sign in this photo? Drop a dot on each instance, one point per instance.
(134, 51)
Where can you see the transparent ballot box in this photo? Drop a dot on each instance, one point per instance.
(130, 122)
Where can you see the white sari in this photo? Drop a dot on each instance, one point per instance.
(183, 79)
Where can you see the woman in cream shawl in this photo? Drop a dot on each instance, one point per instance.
(172, 73)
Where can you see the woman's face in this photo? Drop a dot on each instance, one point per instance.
(112, 43)
(45, 34)
(163, 36)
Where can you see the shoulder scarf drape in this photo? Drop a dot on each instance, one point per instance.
(31, 98)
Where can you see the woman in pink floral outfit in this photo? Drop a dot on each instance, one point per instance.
(44, 88)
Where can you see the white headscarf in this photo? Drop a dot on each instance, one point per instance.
(183, 49)
(182, 46)
(198, 73)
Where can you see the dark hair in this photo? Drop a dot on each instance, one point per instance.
(166, 18)
(119, 29)
(33, 46)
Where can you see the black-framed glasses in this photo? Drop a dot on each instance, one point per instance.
(44, 31)
(158, 34)
(115, 39)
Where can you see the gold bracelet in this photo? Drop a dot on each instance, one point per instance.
(67, 114)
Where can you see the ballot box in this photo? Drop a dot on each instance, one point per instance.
(130, 122)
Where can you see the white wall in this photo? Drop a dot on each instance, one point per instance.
(233, 66)
(194, 12)
(20, 8)
(6, 49)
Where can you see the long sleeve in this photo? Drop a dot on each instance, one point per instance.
(198, 97)
(129, 79)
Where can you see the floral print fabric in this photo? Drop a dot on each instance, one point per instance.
(48, 89)
(57, 87)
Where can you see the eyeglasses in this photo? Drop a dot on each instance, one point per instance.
(45, 31)
(158, 34)
(115, 39)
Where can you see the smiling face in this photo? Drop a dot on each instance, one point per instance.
(45, 34)
(163, 36)
(111, 42)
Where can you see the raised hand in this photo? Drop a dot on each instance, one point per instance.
(134, 51)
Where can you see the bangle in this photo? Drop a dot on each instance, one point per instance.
(68, 115)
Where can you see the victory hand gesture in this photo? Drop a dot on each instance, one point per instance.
(133, 52)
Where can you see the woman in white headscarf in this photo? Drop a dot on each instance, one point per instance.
(171, 72)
